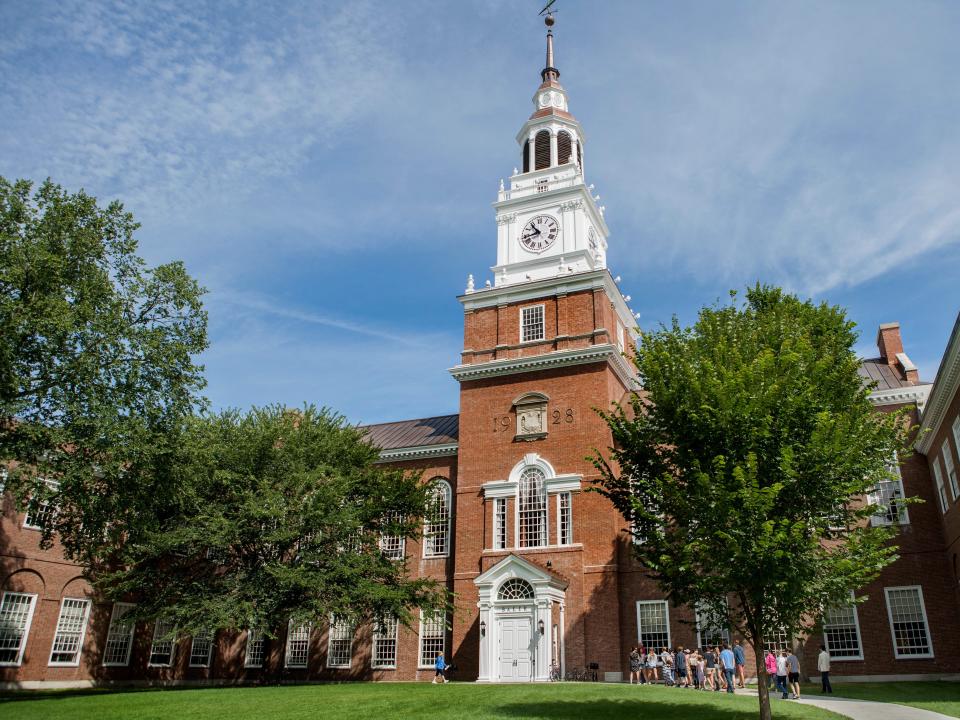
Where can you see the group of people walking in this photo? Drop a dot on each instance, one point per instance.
(721, 668)
(712, 668)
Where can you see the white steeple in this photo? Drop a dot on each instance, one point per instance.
(546, 211)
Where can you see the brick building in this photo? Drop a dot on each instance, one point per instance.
(542, 570)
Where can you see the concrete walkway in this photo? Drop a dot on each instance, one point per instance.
(859, 709)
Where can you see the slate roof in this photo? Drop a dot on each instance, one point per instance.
(440, 430)
(886, 377)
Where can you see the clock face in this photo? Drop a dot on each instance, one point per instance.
(539, 233)
(544, 99)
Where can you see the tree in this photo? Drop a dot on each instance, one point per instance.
(275, 515)
(97, 362)
(744, 462)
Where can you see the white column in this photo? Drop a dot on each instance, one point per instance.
(533, 153)
(553, 148)
(542, 616)
(485, 645)
(563, 643)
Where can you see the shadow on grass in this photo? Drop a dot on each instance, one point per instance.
(603, 709)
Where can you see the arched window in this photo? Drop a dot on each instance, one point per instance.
(526, 156)
(532, 508)
(564, 147)
(541, 150)
(436, 528)
(515, 589)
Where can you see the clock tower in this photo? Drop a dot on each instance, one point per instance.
(547, 340)
(547, 220)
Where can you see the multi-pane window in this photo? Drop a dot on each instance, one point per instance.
(116, 651)
(385, 643)
(42, 508)
(908, 622)
(653, 624)
(433, 635)
(256, 643)
(392, 546)
(888, 495)
(951, 469)
(499, 523)
(841, 633)
(71, 627)
(201, 649)
(941, 491)
(339, 642)
(531, 323)
(298, 645)
(564, 519)
(778, 640)
(532, 508)
(161, 649)
(711, 631)
(436, 531)
(16, 612)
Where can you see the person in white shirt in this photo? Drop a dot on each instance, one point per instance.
(823, 665)
(782, 673)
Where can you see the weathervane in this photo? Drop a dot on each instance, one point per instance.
(546, 9)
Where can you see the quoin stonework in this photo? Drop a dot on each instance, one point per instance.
(542, 570)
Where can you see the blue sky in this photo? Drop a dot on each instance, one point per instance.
(326, 169)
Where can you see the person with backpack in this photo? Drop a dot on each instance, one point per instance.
(782, 673)
(440, 667)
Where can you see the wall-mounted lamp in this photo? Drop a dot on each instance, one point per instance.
(540, 626)
(483, 628)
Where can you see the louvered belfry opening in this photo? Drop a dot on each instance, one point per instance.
(526, 156)
(579, 159)
(541, 150)
(564, 147)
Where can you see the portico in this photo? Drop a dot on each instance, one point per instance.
(516, 609)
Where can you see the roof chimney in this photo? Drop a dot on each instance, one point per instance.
(890, 345)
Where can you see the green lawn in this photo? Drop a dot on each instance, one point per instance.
(941, 697)
(383, 701)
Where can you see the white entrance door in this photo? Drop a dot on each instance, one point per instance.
(516, 663)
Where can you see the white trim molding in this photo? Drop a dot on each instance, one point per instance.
(560, 358)
(902, 395)
(419, 452)
(944, 389)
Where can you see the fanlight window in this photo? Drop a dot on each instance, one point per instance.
(515, 589)
(532, 508)
(541, 150)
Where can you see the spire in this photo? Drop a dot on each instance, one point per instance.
(549, 72)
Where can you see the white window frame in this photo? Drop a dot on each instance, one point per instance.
(875, 496)
(26, 626)
(336, 626)
(393, 547)
(254, 637)
(955, 428)
(173, 643)
(545, 533)
(376, 662)
(53, 485)
(951, 469)
(564, 518)
(926, 623)
(500, 523)
(423, 664)
(666, 616)
(703, 622)
(852, 606)
(86, 603)
(941, 490)
(441, 485)
(543, 323)
(286, 651)
(207, 636)
(117, 615)
(620, 341)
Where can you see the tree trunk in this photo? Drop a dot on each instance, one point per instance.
(762, 692)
